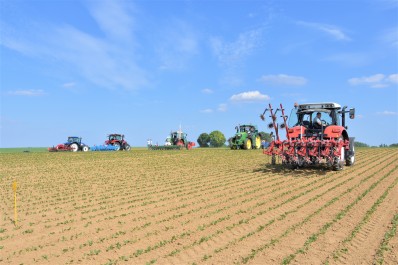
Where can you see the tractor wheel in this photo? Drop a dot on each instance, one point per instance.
(74, 147)
(85, 148)
(247, 144)
(350, 160)
(117, 146)
(127, 147)
(258, 142)
(338, 162)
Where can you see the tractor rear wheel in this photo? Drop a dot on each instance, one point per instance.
(117, 146)
(247, 144)
(258, 142)
(74, 147)
(338, 161)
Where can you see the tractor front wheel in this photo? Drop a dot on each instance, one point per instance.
(127, 147)
(247, 144)
(85, 148)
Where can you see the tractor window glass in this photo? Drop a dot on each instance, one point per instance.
(293, 120)
(326, 118)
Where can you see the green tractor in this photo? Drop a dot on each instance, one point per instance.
(246, 137)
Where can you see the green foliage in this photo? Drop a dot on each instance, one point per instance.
(265, 136)
(217, 139)
(204, 140)
(360, 144)
(394, 145)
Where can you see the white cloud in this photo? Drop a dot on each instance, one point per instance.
(207, 91)
(330, 30)
(222, 107)
(388, 113)
(249, 96)
(27, 93)
(108, 61)
(375, 81)
(283, 79)
(206, 111)
(230, 53)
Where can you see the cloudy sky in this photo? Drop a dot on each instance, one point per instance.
(143, 68)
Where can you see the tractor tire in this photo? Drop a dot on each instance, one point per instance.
(117, 146)
(338, 162)
(74, 147)
(127, 147)
(247, 144)
(85, 148)
(350, 160)
(258, 142)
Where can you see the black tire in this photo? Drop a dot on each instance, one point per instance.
(127, 147)
(74, 147)
(247, 144)
(338, 162)
(85, 148)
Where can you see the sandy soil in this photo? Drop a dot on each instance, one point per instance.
(200, 206)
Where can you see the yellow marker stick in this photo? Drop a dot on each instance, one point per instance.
(14, 188)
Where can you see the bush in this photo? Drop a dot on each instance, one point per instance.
(204, 140)
(217, 139)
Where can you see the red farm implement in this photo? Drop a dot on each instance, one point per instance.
(315, 133)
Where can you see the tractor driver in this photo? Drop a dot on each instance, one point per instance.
(317, 121)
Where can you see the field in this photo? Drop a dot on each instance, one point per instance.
(204, 206)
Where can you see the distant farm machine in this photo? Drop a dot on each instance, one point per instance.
(246, 137)
(175, 141)
(118, 142)
(73, 144)
(308, 142)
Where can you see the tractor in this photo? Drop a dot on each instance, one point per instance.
(246, 137)
(74, 144)
(175, 141)
(117, 140)
(308, 142)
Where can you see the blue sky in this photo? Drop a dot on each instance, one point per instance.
(142, 68)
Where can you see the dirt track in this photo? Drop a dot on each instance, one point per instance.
(199, 206)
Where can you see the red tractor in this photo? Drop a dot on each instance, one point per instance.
(118, 141)
(309, 142)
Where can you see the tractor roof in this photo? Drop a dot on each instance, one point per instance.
(323, 105)
(115, 134)
(247, 125)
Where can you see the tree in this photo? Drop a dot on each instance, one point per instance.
(204, 140)
(265, 136)
(217, 139)
(394, 145)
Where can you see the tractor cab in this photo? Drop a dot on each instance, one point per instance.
(117, 137)
(73, 139)
(246, 129)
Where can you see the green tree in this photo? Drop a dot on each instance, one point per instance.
(393, 145)
(204, 140)
(217, 139)
(265, 136)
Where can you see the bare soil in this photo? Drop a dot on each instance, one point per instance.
(203, 206)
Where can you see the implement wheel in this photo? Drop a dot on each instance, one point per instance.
(338, 161)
